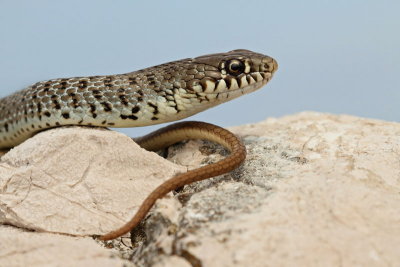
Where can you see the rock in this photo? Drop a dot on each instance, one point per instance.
(315, 190)
(77, 181)
(21, 248)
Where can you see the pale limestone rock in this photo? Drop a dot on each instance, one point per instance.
(173, 261)
(315, 190)
(77, 181)
(20, 248)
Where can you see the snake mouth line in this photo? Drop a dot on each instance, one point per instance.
(247, 89)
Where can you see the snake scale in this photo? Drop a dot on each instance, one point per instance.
(159, 94)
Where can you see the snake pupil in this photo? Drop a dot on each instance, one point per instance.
(235, 67)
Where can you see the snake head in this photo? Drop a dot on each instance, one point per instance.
(210, 80)
(236, 69)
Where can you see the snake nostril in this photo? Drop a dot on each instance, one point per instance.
(270, 65)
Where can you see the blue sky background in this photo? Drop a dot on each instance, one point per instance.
(338, 56)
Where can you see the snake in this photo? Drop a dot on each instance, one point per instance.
(159, 94)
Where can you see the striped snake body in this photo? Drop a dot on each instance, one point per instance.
(154, 95)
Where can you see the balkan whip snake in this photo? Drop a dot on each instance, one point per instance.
(154, 95)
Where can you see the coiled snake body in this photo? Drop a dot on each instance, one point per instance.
(158, 94)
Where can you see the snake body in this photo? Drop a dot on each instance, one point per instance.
(163, 93)
(172, 134)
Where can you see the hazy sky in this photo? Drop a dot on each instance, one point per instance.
(338, 56)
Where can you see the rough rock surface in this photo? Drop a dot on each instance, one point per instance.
(22, 248)
(77, 181)
(315, 190)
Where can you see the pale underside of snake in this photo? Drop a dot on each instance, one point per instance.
(163, 93)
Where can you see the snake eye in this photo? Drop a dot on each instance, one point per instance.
(235, 67)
